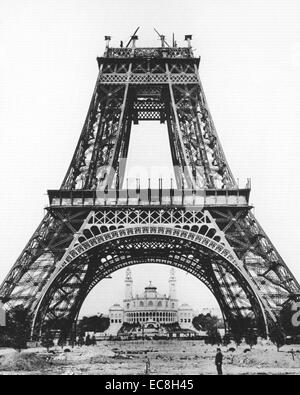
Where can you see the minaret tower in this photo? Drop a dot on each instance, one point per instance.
(128, 284)
(172, 284)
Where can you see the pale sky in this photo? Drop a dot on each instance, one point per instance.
(250, 65)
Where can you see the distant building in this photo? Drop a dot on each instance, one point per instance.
(151, 306)
(116, 314)
(2, 315)
(185, 315)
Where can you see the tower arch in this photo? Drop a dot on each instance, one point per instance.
(209, 266)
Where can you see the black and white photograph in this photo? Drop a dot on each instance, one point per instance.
(150, 188)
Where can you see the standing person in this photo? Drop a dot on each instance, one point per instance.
(147, 365)
(88, 340)
(219, 361)
(80, 340)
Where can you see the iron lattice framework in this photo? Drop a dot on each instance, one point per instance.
(203, 225)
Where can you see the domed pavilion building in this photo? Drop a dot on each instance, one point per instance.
(151, 306)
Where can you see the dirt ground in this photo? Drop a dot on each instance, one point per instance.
(166, 357)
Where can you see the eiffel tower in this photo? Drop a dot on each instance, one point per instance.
(203, 223)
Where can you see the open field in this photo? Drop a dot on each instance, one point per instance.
(166, 357)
